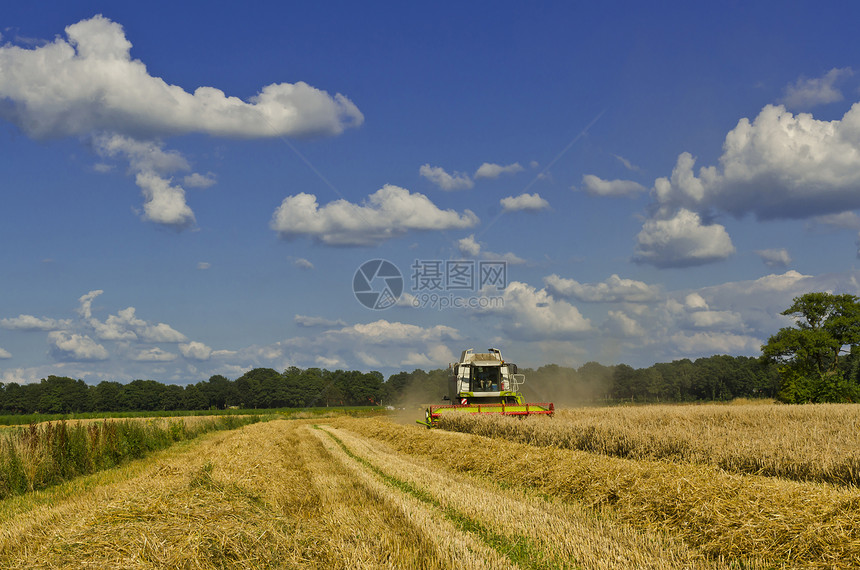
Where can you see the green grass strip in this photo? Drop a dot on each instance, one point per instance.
(520, 550)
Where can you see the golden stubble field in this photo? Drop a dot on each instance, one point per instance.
(374, 493)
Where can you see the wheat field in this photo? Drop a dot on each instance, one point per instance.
(373, 493)
(815, 442)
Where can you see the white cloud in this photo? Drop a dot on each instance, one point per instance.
(490, 170)
(531, 314)
(805, 93)
(160, 332)
(738, 313)
(154, 354)
(774, 257)
(778, 166)
(716, 320)
(627, 164)
(445, 181)
(125, 325)
(376, 344)
(385, 332)
(197, 180)
(306, 321)
(760, 301)
(695, 302)
(469, 246)
(786, 281)
(840, 221)
(389, 212)
(142, 156)
(89, 82)
(120, 347)
(682, 241)
(620, 325)
(31, 323)
(165, 204)
(5, 354)
(510, 258)
(524, 202)
(86, 303)
(730, 318)
(114, 328)
(613, 290)
(437, 356)
(303, 263)
(330, 363)
(764, 298)
(418, 359)
(715, 343)
(440, 355)
(195, 350)
(203, 265)
(599, 187)
(698, 315)
(75, 347)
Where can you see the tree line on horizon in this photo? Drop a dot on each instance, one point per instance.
(715, 378)
(817, 360)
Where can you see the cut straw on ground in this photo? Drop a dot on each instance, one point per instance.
(724, 515)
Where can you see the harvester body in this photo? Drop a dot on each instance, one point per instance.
(483, 383)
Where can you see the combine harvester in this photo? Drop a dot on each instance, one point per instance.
(483, 383)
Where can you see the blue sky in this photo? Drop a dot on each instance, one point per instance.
(190, 189)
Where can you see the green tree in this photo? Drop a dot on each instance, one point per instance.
(14, 398)
(172, 397)
(194, 398)
(257, 387)
(61, 395)
(807, 355)
(106, 397)
(623, 378)
(219, 390)
(142, 395)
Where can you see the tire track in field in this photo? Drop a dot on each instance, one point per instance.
(355, 526)
(453, 546)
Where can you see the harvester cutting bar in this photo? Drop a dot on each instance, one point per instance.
(435, 412)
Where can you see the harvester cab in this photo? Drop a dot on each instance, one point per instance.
(483, 383)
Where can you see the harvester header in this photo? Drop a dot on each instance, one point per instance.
(483, 383)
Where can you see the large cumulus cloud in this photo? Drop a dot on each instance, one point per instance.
(780, 165)
(89, 82)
